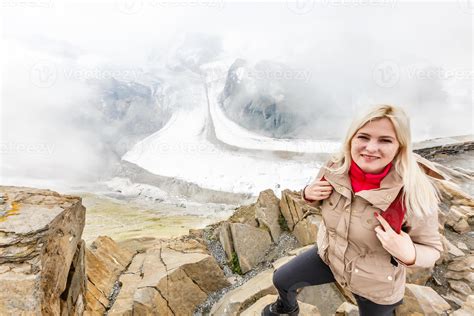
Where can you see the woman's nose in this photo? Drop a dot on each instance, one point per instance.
(371, 146)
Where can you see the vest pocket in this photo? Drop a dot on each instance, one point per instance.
(332, 201)
(372, 280)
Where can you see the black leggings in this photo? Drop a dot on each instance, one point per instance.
(308, 269)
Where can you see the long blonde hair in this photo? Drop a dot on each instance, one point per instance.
(420, 195)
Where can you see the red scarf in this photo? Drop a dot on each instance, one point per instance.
(361, 180)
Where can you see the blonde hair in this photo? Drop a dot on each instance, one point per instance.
(420, 195)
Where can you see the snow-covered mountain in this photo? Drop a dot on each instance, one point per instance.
(231, 133)
(259, 98)
(123, 112)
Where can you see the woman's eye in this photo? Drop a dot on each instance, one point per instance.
(386, 140)
(362, 137)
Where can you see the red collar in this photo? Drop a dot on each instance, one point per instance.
(362, 180)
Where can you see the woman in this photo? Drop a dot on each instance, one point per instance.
(367, 192)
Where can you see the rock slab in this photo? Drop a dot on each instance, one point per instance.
(41, 252)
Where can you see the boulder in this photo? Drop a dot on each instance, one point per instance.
(245, 214)
(124, 302)
(40, 250)
(129, 281)
(206, 273)
(466, 276)
(105, 261)
(111, 253)
(140, 244)
(422, 300)
(186, 244)
(327, 297)
(306, 230)
(462, 246)
(183, 279)
(466, 211)
(260, 219)
(250, 245)
(268, 213)
(225, 239)
(181, 294)
(467, 308)
(461, 287)
(450, 248)
(460, 277)
(418, 276)
(452, 298)
(148, 301)
(291, 207)
(347, 309)
(171, 277)
(294, 208)
(457, 218)
(236, 300)
(462, 264)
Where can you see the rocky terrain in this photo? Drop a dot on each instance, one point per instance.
(225, 268)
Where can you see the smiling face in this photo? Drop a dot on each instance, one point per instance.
(374, 145)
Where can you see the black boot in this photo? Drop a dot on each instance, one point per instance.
(277, 309)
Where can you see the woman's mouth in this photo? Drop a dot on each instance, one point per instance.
(369, 158)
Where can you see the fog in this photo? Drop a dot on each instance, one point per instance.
(344, 55)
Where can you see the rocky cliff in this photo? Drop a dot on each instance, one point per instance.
(41, 252)
(223, 269)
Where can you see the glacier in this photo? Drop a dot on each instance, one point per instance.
(199, 144)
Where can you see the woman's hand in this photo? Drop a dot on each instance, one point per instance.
(318, 190)
(398, 245)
